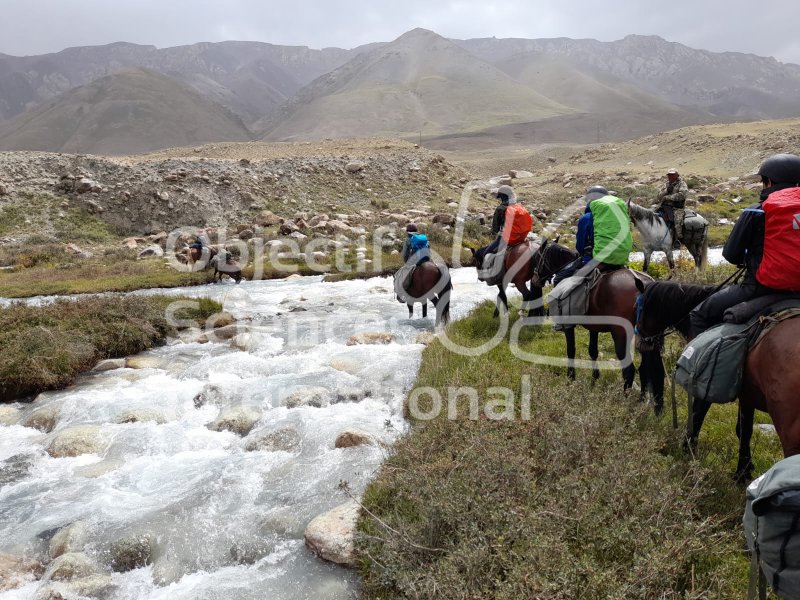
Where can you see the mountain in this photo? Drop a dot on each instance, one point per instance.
(420, 81)
(725, 84)
(130, 112)
(251, 78)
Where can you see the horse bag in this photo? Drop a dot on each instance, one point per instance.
(518, 224)
(570, 298)
(780, 267)
(710, 368)
(772, 526)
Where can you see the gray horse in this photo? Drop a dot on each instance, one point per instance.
(657, 235)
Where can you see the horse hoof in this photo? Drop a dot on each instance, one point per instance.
(595, 375)
(659, 409)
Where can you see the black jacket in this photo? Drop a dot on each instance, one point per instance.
(499, 219)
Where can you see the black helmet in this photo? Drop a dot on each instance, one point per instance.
(781, 168)
(597, 189)
(412, 228)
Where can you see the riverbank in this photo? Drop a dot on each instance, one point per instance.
(46, 347)
(590, 496)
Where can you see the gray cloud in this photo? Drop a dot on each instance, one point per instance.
(39, 26)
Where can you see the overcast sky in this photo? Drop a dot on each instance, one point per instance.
(764, 27)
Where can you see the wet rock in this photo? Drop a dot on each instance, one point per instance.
(14, 468)
(154, 250)
(16, 571)
(238, 419)
(144, 362)
(43, 419)
(99, 469)
(69, 539)
(142, 415)
(94, 586)
(210, 394)
(74, 441)
(69, 566)
(225, 333)
(249, 552)
(285, 439)
(109, 365)
(330, 535)
(223, 319)
(371, 338)
(9, 415)
(353, 439)
(131, 553)
(316, 397)
(345, 366)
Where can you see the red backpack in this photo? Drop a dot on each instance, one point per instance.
(518, 224)
(780, 267)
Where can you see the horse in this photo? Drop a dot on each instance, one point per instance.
(229, 267)
(614, 295)
(209, 257)
(430, 281)
(657, 235)
(770, 381)
(518, 265)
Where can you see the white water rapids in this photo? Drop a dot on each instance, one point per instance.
(227, 523)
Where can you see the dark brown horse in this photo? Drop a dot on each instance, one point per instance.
(430, 282)
(611, 308)
(770, 380)
(518, 264)
(209, 257)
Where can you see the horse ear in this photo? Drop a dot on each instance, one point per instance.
(639, 285)
(558, 237)
(471, 249)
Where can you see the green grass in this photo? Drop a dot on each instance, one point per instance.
(592, 497)
(46, 347)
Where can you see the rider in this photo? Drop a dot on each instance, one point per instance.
(611, 230)
(672, 200)
(507, 197)
(584, 239)
(745, 246)
(416, 244)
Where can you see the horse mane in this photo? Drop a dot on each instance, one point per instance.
(640, 213)
(674, 301)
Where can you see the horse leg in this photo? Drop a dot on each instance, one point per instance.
(425, 309)
(623, 354)
(502, 300)
(569, 334)
(670, 259)
(410, 310)
(594, 352)
(533, 300)
(646, 264)
(651, 377)
(744, 431)
(699, 412)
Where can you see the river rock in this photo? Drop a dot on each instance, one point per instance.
(373, 337)
(69, 539)
(345, 366)
(150, 251)
(142, 415)
(99, 469)
(353, 439)
(72, 565)
(144, 362)
(131, 553)
(237, 419)
(210, 394)
(16, 571)
(316, 397)
(109, 365)
(285, 439)
(9, 415)
(74, 441)
(94, 586)
(330, 535)
(43, 419)
(225, 333)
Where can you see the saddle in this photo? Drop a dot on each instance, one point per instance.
(762, 306)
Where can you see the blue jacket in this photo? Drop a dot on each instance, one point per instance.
(584, 239)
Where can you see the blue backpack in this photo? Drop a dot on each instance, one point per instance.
(418, 241)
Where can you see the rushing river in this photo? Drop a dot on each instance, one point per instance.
(226, 523)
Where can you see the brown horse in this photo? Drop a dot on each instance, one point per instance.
(430, 282)
(770, 378)
(518, 264)
(209, 257)
(614, 296)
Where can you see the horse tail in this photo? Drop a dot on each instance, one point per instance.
(703, 261)
(444, 301)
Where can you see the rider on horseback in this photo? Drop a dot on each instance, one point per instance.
(672, 199)
(501, 224)
(745, 246)
(584, 239)
(416, 245)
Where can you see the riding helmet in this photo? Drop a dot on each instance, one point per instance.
(781, 168)
(412, 228)
(595, 192)
(507, 191)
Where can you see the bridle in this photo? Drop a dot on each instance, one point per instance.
(536, 277)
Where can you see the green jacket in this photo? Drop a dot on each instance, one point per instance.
(612, 231)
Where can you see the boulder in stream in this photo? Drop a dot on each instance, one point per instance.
(131, 553)
(237, 419)
(9, 415)
(286, 439)
(44, 419)
(16, 571)
(69, 566)
(316, 397)
(74, 441)
(371, 337)
(330, 535)
(353, 439)
(68, 539)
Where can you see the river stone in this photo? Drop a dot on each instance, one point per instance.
(9, 415)
(210, 394)
(131, 553)
(223, 319)
(74, 441)
(16, 571)
(424, 337)
(330, 535)
(99, 469)
(71, 538)
(15, 468)
(352, 439)
(145, 362)
(225, 333)
(249, 552)
(316, 397)
(142, 415)
(371, 337)
(345, 366)
(285, 439)
(94, 586)
(43, 419)
(109, 365)
(72, 565)
(237, 419)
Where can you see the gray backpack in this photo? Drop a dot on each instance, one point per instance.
(570, 298)
(772, 527)
(493, 268)
(710, 368)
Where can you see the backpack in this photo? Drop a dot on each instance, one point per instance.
(418, 241)
(518, 224)
(772, 526)
(780, 267)
(570, 298)
(710, 367)
(493, 268)
(612, 230)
